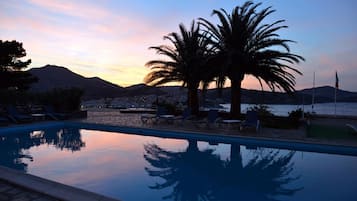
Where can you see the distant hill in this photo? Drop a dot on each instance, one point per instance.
(323, 94)
(327, 94)
(51, 77)
(142, 89)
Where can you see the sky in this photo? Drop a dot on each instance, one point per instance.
(110, 38)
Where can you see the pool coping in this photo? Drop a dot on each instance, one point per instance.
(252, 141)
(48, 187)
(296, 144)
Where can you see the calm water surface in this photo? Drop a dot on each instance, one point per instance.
(349, 109)
(133, 167)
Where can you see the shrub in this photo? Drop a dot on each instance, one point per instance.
(262, 110)
(63, 100)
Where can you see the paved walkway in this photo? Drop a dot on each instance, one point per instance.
(10, 192)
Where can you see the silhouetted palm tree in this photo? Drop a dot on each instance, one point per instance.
(187, 62)
(248, 47)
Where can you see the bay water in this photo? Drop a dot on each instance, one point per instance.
(345, 109)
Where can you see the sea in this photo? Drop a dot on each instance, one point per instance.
(344, 109)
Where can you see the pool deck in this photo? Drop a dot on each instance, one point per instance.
(114, 118)
(15, 185)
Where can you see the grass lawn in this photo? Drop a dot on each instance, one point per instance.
(330, 132)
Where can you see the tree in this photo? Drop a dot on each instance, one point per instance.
(187, 63)
(248, 47)
(11, 74)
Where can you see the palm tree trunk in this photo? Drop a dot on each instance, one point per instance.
(193, 100)
(235, 98)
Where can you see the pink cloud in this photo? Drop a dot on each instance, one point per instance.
(81, 9)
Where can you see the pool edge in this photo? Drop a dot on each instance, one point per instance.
(48, 187)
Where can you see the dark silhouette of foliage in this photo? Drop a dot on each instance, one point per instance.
(246, 46)
(187, 62)
(262, 110)
(62, 100)
(11, 67)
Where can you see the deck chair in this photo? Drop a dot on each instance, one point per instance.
(352, 128)
(186, 115)
(211, 119)
(50, 112)
(4, 120)
(251, 121)
(3, 117)
(161, 114)
(16, 116)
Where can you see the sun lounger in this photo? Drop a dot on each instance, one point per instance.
(50, 112)
(16, 116)
(3, 121)
(161, 114)
(3, 117)
(353, 128)
(251, 121)
(186, 115)
(212, 119)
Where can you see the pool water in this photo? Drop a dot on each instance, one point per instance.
(136, 167)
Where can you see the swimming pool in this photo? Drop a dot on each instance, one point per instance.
(156, 165)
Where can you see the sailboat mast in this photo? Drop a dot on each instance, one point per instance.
(313, 94)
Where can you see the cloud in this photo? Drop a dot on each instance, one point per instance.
(79, 8)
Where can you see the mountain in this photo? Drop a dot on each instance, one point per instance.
(142, 89)
(51, 77)
(327, 94)
(323, 94)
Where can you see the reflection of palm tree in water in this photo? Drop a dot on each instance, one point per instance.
(202, 175)
(14, 147)
(189, 172)
(262, 178)
(69, 139)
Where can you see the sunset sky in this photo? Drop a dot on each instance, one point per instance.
(110, 38)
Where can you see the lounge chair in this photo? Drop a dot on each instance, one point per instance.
(3, 121)
(50, 112)
(161, 114)
(251, 121)
(211, 119)
(3, 117)
(353, 128)
(37, 112)
(186, 115)
(16, 116)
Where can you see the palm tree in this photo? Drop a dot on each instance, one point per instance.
(187, 63)
(248, 47)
